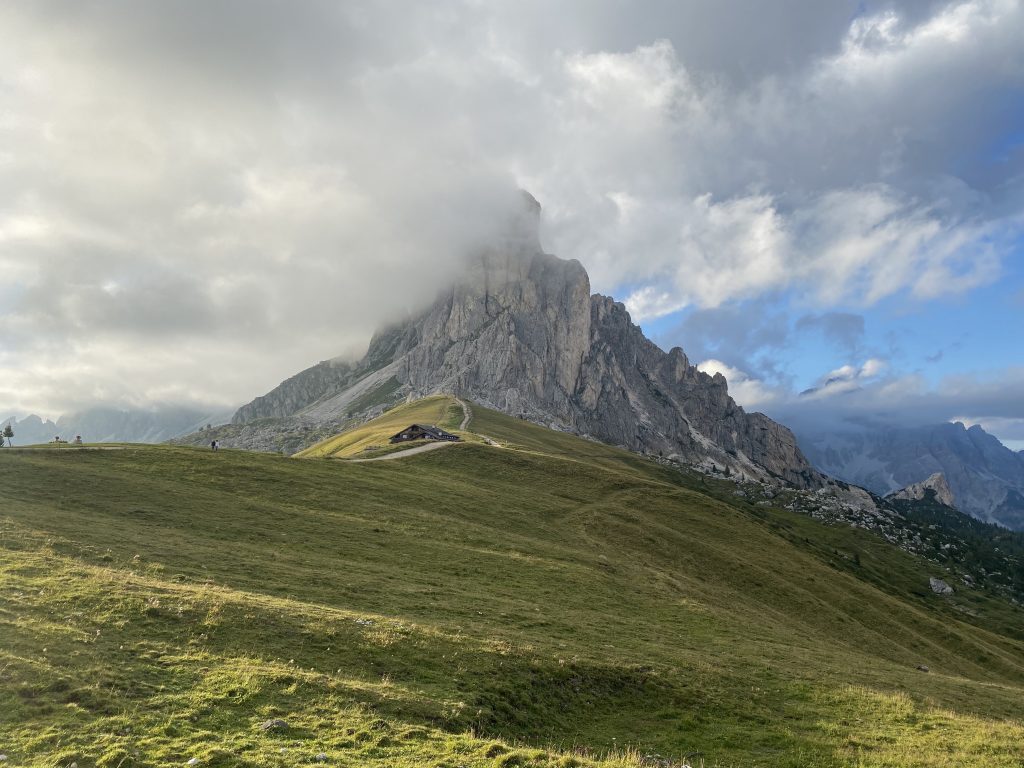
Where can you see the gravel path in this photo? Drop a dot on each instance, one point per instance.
(467, 414)
(403, 454)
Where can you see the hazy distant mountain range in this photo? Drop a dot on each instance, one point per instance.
(97, 425)
(986, 478)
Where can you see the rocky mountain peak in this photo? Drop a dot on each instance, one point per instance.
(520, 332)
(934, 485)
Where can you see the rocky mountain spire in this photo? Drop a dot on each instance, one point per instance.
(521, 333)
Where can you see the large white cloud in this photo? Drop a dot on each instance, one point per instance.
(201, 198)
(749, 392)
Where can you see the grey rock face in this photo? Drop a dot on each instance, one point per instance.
(297, 392)
(936, 484)
(632, 393)
(939, 587)
(985, 478)
(521, 333)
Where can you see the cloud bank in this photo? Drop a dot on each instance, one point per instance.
(201, 198)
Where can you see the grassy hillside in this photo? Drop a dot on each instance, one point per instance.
(552, 602)
(372, 437)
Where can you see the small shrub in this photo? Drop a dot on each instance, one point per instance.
(512, 759)
(495, 749)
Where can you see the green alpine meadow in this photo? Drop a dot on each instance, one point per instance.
(522, 597)
(504, 384)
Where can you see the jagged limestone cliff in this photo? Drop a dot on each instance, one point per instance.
(522, 333)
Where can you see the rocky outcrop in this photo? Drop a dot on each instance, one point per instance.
(934, 486)
(297, 392)
(522, 333)
(632, 393)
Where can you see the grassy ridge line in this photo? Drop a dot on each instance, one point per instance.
(591, 595)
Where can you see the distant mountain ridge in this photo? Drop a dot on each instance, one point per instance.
(113, 425)
(521, 332)
(985, 477)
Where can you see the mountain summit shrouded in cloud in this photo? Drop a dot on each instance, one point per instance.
(201, 198)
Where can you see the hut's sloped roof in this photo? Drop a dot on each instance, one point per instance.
(428, 429)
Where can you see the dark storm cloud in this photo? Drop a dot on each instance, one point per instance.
(845, 330)
(737, 335)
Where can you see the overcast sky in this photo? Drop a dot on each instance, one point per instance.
(199, 199)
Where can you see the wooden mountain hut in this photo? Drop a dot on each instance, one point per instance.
(423, 432)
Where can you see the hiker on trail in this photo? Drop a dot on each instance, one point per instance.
(213, 445)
